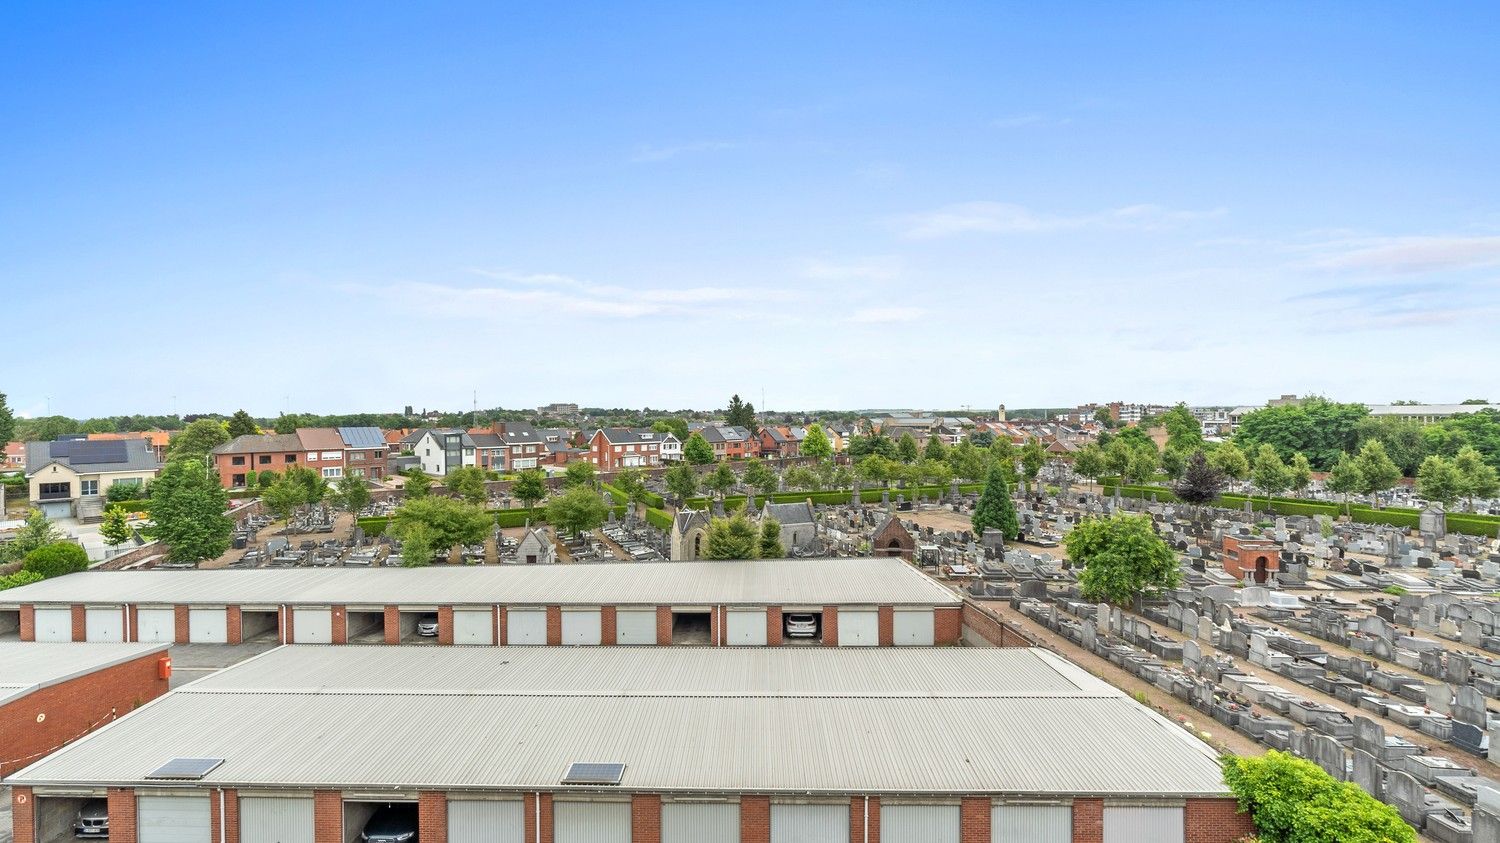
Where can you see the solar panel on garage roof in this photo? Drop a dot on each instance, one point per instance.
(185, 769)
(594, 773)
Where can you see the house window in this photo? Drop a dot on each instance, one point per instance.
(55, 490)
(357, 455)
(88, 488)
(331, 455)
(333, 472)
(312, 456)
(379, 454)
(237, 461)
(236, 479)
(289, 458)
(265, 459)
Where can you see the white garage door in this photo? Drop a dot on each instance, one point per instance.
(104, 623)
(581, 626)
(312, 626)
(276, 819)
(172, 819)
(526, 626)
(54, 624)
(155, 626)
(208, 626)
(1142, 825)
(919, 823)
(912, 627)
(745, 628)
(859, 627)
(591, 822)
(474, 626)
(635, 626)
(700, 822)
(809, 823)
(474, 821)
(1031, 824)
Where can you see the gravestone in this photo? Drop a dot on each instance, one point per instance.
(1369, 736)
(1101, 618)
(1408, 797)
(1367, 773)
(1328, 754)
(1205, 630)
(1456, 669)
(1468, 707)
(1192, 655)
(1439, 697)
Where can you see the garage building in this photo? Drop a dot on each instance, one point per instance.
(53, 693)
(656, 745)
(844, 602)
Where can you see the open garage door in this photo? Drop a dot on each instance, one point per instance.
(912, 627)
(635, 626)
(700, 822)
(745, 628)
(526, 626)
(581, 626)
(156, 626)
(919, 823)
(592, 822)
(172, 819)
(104, 623)
(54, 624)
(276, 819)
(1031, 823)
(208, 626)
(486, 821)
(1130, 824)
(809, 823)
(474, 626)
(312, 626)
(859, 628)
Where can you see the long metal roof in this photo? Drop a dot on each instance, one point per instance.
(28, 667)
(804, 722)
(882, 581)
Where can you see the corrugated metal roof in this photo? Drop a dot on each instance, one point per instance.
(26, 667)
(1077, 742)
(883, 581)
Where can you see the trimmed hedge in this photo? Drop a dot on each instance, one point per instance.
(138, 505)
(504, 518)
(651, 499)
(836, 496)
(658, 518)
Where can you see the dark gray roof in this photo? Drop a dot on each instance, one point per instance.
(789, 513)
(631, 435)
(90, 456)
(415, 436)
(725, 433)
(362, 437)
(260, 443)
(487, 440)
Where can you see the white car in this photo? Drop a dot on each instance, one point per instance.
(801, 625)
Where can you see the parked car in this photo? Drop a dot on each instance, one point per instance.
(393, 823)
(92, 820)
(801, 625)
(427, 626)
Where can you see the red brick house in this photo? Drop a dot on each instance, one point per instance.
(613, 448)
(731, 443)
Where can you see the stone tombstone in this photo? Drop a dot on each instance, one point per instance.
(1328, 753)
(1431, 663)
(1369, 736)
(1367, 773)
(1456, 669)
(1375, 625)
(1223, 616)
(1255, 595)
(1407, 796)
(1471, 634)
(1468, 707)
(1101, 618)
(1205, 630)
(1439, 697)
(1174, 615)
(1433, 522)
(1384, 650)
(1116, 620)
(1258, 649)
(1189, 622)
(1089, 636)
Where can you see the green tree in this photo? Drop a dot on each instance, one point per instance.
(1229, 459)
(352, 493)
(1479, 479)
(1344, 479)
(935, 472)
(240, 424)
(197, 440)
(906, 449)
(287, 423)
(1376, 468)
(731, 538)
(116, 528)
(1104, 417)
(740, 414)
(770, 540)
(35, 532)
(7, 421)
(936, 449)
(631, 481)
(995, 509)
(759, 477)
(417, 546)
(1143, 463)
(1122, 558)
(313, 488)
(1404, 440)
(56, 559)
(1438, 479)
(1201, 482)
(1184, 432)
(1117, 460)
(1299, 473)
(266, 478)
(968, 462)
(697, 451)
(981, 438)
(580, 473)
(1268, 473)
(1003, 452)
(681, 481)
(721, 479)
(1173, 463)
(876, 469)
(1089, 462)
(1318, 428)
(187, 507)
(529, 487)
(816, 443)
(577, 511)
(1033, 457)
(468, 483)
(1292, 800)
(447, 522)
(674, 425)
(282, 498)
(801, 478)
(121, 492)
(418, 484)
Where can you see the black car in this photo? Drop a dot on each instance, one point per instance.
(393, 823)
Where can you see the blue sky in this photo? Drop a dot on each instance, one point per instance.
(353, 207)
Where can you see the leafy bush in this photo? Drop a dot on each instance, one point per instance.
(1295, 801)
(20, 578)
(1394, 590)
(135, 506)
(56, 559)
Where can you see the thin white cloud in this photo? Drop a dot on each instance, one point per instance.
(1009, 218)
(649, 154)
(862, 269)
(1021, 121)
(886, 315)
(1409, 255)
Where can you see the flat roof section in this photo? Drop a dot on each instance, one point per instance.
(798, 723)
(773, 582)
(27, 667)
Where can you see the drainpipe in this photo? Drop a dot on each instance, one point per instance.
(537, 807)
(866, 823)
(223, 820)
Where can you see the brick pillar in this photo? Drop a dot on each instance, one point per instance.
(663, 625)
(445, 624)
(1088, 821)
(529, 825)
(607, 625)
(234, 623)
(23, 814)
(180, 633)
(755, 819)
(645, 818)
(773, 626)
(715, 629)
(974, 820)
(80, 624)
(498, 619)
(328, 817)
(340, 624)
(28, 622)
(229, 819)
(554, 626)
(885, 622)
(392, 625)
(432, 817)
(1215, 821)
(288, 628)
(121, 802)
(133, 623)
(946, 623)
(858, 810)
(830, 626)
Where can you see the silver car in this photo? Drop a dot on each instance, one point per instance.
(92, 821)
(427, 626)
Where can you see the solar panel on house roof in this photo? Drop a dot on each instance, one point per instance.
(594, 773)
(97, 452)
(185, 769)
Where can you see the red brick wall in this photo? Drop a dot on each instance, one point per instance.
(23, 814)
(287, 626)
(328, 817)
(715, 629)
(830, 626)
(133, 625)
(774, 627)
(231, 816)
(121, 802)
(73, 708)
(80, 624)
(28, 623)
(607, 625)
(986, 624)
(1215, 821)
(645, 818)
(663, 624)
(858, 809)
(755, 819)
(1088, 821)
(235, 622)
(947, 625)
(180, 632)
(554, 625)
(500, 634)
(445, 624)
(432, 817)
(340, 625)
(974, 820)
(886, 625)
(530, 801)
(392, 625)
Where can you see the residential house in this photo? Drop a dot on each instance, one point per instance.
(69, 477)
(324, 450)
(509, 446)
(614, 448)
(365, 449)
(732, 443)
(839, 436)
(489, 449)
(157, 440)
(781, 442)
(256, 452)
(671, 448)
(440, 451)
(15, 454)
